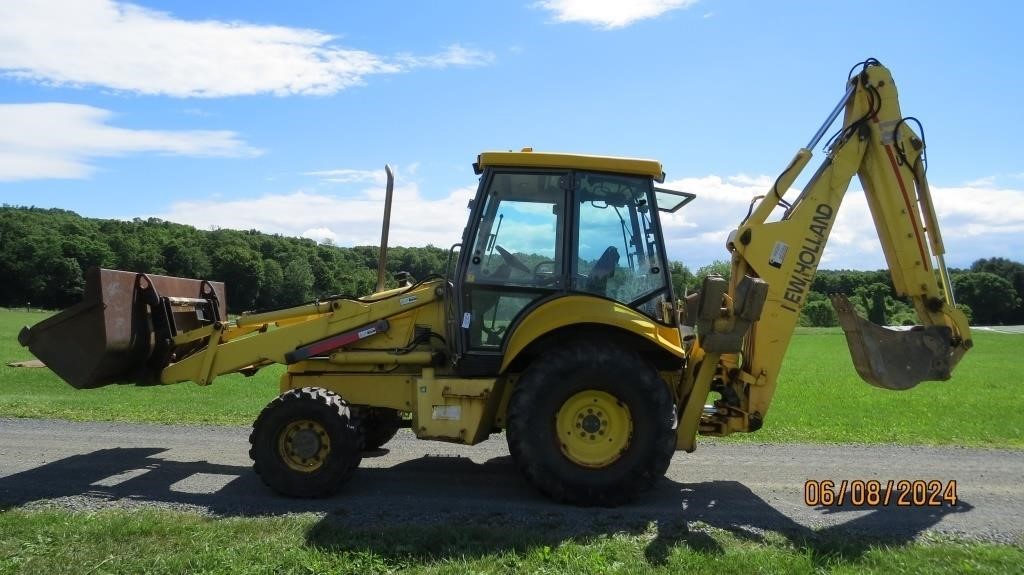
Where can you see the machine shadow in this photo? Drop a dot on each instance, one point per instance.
(403, 509)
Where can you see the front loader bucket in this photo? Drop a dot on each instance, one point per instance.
(121, 330)
(894, 359)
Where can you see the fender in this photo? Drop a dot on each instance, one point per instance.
(574, 309)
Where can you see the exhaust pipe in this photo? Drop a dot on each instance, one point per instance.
(382, 259)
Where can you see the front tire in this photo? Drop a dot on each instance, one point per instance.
(304, 443)
(591, 423)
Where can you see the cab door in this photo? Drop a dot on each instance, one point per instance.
(513, 256)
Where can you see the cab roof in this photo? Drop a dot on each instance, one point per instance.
(527, 158)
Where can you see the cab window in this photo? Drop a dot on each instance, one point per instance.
(617, 253)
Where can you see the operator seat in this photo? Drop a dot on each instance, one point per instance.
(603, 269)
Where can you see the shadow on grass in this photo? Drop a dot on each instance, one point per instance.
(437, 507)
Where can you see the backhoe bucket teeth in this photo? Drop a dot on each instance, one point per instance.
(121, 331)
(893, 359)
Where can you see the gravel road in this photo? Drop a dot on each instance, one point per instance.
(744, 488)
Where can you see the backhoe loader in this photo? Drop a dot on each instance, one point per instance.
(557, 325)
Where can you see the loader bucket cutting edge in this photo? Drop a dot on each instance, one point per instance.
(893, 359)
(117, 331)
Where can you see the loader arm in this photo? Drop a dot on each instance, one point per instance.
(877, 144)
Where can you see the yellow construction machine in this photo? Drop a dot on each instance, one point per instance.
(558, 324)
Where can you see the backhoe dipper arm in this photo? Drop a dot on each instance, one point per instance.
(877, 144)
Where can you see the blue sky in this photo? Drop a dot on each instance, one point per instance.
(280, 116)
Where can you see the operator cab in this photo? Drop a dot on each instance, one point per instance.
(547, 225)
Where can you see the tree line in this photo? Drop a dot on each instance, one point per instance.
(44, 253)
(989, 293)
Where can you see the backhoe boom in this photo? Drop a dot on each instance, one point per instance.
(877, 144)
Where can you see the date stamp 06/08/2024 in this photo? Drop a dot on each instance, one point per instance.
(876, 493)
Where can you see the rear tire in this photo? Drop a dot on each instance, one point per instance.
(304, 443)
(591, 423)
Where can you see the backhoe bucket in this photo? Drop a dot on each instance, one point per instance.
(894, 359)
(121, 331)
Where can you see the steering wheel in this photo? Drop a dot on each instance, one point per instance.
(536, 268)
(512, 261)
(545, 278)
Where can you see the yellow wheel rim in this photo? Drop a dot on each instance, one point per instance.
(303, 445)
(594, 428)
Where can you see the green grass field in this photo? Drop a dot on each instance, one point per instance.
(156, 542)
(820, 398)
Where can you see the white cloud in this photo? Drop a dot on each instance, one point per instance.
(981, 182)
(346, 221)
(970, 212)
(58, 140)
(991, 224)
(976, 222)
(455, 55)
(610, 14)
(349, 176)
(321, 234)
(127, 47)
